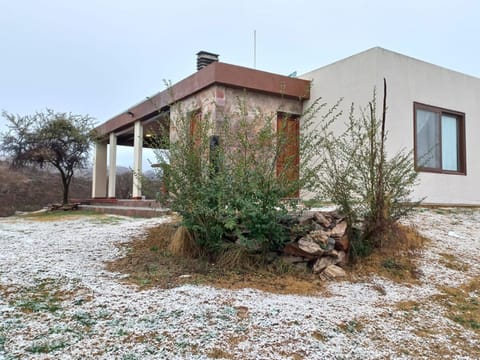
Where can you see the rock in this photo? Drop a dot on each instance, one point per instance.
(330, 243)
(293, 259)
(321, 219)
(332, 253)
(342, 244)
(301, 266)
(293, 250)
(339, 230)
(316, 226)
(319, 236)
(333, 272)
(310, 246)
(305, 219)
(342, 259)
(323, 263)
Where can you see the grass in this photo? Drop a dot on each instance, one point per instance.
(84, 318)
(462, 304)
(58, 215)
(46, 347)
(351, 326)
(452, 262)
(104, 219)
(45, 296)
(3, 340)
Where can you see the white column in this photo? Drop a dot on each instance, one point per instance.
(112, 163)
(137, 159)
(99, 180)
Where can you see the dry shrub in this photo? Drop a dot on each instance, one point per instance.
(403, 238)
(395, 260)
(183, 244)
(236, 257)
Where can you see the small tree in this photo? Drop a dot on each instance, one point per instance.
(49, 138)
(372, 190)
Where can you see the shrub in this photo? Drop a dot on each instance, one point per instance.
(222, 176)
(372, 190)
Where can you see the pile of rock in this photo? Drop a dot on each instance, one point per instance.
(324, 247)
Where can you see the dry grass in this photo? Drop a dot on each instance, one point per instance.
(217, 353)
(167, 258)
(183, 244)
(149, 262)
(452, 262)
(396, 259)
(462, 304)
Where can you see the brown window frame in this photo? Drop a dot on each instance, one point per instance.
(461, 143)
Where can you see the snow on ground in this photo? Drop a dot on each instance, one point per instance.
(57, 301)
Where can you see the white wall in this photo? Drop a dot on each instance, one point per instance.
(410, 80)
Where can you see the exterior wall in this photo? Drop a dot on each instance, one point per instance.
(219, 101)
(409, 80)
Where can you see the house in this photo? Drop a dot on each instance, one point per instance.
(432, 110)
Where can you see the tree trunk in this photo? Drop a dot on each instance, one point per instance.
(66, 187)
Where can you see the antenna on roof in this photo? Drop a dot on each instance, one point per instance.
(254, 49)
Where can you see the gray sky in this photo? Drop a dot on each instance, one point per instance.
(99, 57)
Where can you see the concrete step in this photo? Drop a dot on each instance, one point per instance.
(138, 203)
(134, 211)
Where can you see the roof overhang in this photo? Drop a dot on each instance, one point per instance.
(216, 73)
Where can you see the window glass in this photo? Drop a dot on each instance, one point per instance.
(449, 143)
(428, 139)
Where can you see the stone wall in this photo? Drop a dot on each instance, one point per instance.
(218, 102)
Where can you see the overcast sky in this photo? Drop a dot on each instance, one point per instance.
(99, 57)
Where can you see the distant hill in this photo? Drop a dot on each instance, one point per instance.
(88, 172)
(30, 189)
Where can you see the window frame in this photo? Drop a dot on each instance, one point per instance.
(461, 142)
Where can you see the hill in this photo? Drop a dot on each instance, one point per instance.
(30, 189)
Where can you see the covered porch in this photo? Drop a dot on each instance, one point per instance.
(151, 131)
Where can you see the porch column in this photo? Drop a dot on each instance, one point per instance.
(137, 160)
(99, 181)
(112, 163)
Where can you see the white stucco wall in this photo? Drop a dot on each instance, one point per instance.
(410, 80)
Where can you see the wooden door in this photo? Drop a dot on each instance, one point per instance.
(288, 129)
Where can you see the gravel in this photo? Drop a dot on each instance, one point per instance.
(57, 301)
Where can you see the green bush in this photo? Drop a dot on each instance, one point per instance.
(223, 178)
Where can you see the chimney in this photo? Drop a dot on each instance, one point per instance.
(205, 58)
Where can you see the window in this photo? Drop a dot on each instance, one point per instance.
(439, 140)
